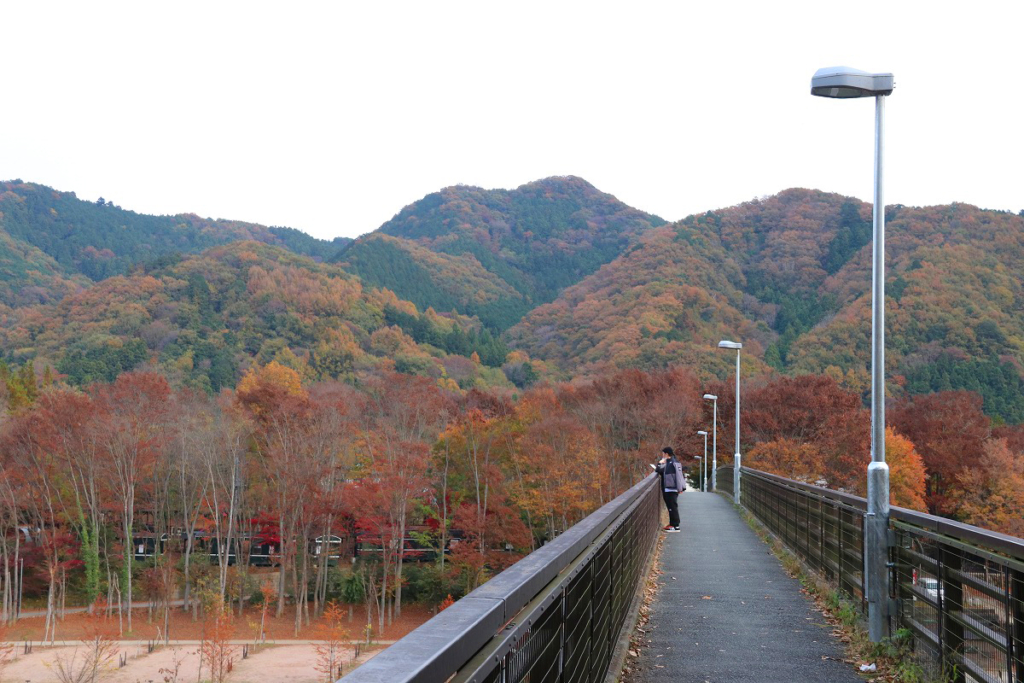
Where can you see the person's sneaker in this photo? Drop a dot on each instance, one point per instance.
(676, 530)
(669, 528)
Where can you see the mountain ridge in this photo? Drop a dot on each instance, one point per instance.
(798, 267)
(582, 284)
(99, 239)
(537, 239)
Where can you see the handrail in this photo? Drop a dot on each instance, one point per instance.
(1003, 543)
(440, 647)
(1009, 545)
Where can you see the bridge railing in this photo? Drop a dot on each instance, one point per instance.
(555, 615)
(957, 588)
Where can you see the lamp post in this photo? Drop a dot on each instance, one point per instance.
(714, 441)
(736, 464)
(699, 481)
(844, 83)
(705, 463)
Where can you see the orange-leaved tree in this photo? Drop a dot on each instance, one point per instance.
(279, 407)
(907, 474)
(559, 477)
(991, 495)
(789, 458)
(215, 648)
(331, 637)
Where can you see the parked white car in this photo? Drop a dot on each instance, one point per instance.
(931, 587)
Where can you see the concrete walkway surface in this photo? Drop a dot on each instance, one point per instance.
(726, 612)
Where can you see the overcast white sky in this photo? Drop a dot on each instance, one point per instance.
(330, 117)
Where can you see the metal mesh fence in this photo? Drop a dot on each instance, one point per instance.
(962, 602)
(725, 481)
(568, 633)
(958, 589)
(554, 616)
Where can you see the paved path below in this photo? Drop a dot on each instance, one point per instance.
(726, 611)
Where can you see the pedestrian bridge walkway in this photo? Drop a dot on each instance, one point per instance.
(727, 611)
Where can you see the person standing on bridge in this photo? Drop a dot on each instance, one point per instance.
(671, 472)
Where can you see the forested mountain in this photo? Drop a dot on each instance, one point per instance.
(99, 239)
(28, 276)
(789, 276)
(667, 301)
(94, 290)
(205, 318)
(433, 279)
(529, 243)
(307, 245)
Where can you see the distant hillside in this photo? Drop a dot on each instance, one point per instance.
(528, 244)
(205, 318)
(789, 276)
(571, 278)
(99, 239)
(307, 245)
(667, 301)
(432, 279)
(28, 276)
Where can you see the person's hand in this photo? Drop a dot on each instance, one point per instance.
(662, 461)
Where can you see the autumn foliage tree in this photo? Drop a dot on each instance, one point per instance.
(279, 407)
(133, 410)
(949, 430)
(215, 648)
(789, 458)
(991, 495)
(559, 474)
(907, 473)
(331, 637)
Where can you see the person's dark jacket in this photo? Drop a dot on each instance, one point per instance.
(665, 472)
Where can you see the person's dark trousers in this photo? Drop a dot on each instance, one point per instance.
(672, 503)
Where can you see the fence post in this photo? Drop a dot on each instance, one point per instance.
(821, 537)
(1015, 590)
(840, 551)
(951, 594)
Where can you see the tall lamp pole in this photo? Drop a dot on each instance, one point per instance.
(736, 463)
(844, 83)
(705, 463)
(714, 441)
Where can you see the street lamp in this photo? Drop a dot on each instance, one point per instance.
(705, 463)
(714, 442)
(843, 82)
(699, 482)
(726, 344)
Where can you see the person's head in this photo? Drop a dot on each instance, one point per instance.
(667, 450)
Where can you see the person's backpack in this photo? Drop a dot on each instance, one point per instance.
(669, 477)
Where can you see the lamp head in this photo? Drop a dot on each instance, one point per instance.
(703, 433)
(726, 344)
(710, 397)
(842, 82)
(697, 457)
